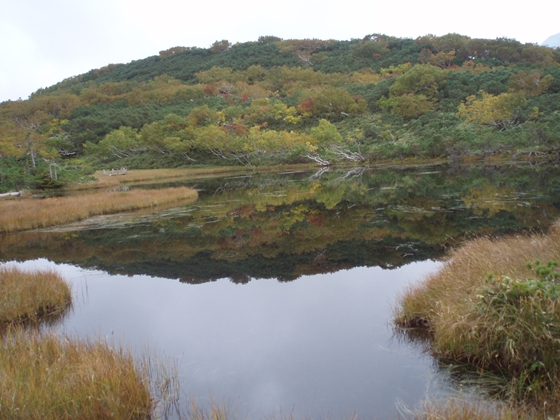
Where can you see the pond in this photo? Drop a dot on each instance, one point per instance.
(273, 293)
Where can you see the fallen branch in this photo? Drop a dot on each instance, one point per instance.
(346, 154)
(318, 159)
(11, 194)
(113, 172)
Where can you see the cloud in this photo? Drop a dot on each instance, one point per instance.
(42, 43)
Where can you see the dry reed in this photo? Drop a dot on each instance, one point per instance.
(507, 323)
(50, 377)
(31, 296)
(457, 409)
(26, 214)
(142, 176)
(447, 295)
(216, 411)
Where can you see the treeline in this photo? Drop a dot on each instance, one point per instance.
(289, 101)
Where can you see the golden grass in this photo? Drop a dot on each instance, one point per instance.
(216, 411)
(137, 176)
(26, 214)
(144, 176)
(508, 324)
(31, 296)
(453, 289)
(456, 409)
(44, 376)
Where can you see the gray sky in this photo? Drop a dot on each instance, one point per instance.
(43, 42)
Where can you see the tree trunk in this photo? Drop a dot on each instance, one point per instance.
(11, 194)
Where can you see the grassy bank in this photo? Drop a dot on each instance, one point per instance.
(494, 306)
(49, 376)
(46, 377)
(25, 214)
(456, 409)
(143, 176)
(138, 176)
(31, 296)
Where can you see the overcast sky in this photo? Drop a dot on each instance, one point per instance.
(43, 42)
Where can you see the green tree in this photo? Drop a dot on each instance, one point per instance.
(155, 135)
(413, 93)
(204, 116)
(325, 133)
(268, 39)
(215, 75)
(408, 105)
(422, 78)
(332, 103)
(120, 143)
(255, 74)
(371, 49)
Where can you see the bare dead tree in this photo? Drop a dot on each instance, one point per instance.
(353, 173)
(318, 159)
(319, 173)
(347, 154)
(305, 57)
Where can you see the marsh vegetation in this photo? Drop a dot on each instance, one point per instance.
(32, 296)
(29, 213)
(493, 306)
(48, 375)
(51, 376)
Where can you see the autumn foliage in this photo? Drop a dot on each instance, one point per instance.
(434, 96)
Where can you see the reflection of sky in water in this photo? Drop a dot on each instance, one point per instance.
(319, 346)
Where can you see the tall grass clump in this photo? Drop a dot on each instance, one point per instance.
(25, 214)
(32, 296)
(44, 376)
(215, 411)
(458, 409)
(494, 305)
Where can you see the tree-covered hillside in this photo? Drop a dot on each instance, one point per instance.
(289, 101)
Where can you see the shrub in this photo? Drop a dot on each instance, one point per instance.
(507, 323)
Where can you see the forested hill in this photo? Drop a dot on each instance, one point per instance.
(288, 101)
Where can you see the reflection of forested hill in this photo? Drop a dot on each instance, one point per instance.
(285, 226)
(387, 253)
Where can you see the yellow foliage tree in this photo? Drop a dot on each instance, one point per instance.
(502, 111)
(530, 83)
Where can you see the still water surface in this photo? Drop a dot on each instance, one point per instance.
(273, 293)
(321, 346)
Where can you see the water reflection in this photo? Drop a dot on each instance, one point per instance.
(242, 329)
(321, 346)
(284, 226)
